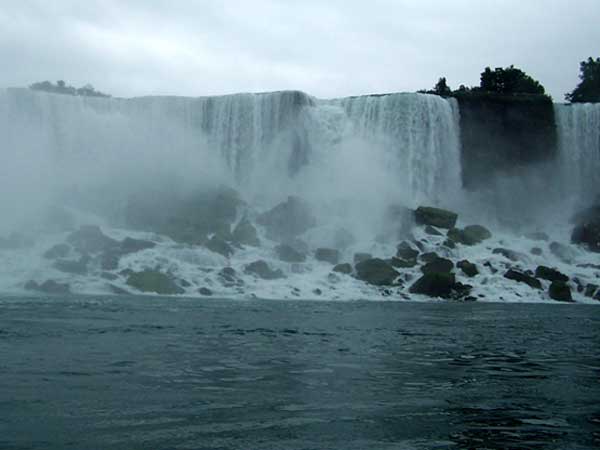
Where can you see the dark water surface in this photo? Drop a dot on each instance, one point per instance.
(150, 373)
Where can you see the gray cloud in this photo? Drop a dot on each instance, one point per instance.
(328, 49)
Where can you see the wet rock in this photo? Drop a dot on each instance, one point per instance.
(509, 254)
(435, 217)
(538, 236)
(118, 290)
(468, 268)
(329, 255)
(438, 265)
(560, 291)
(262, 270)
(449, 243)
(218, 245)
(154, 281)
(245, 234)
(205, 291)
(229, 278)
(536, 251)
(550, 274)
(288, 219)
(587, 229)
(91, 239)
(590, 290)
(562, 252)
(288, 254)
(78, 267)
(432, 231)
(428, 257)
(470, 235)
(521, 277)
(490, 266)
(317, 291)
(402, 263)
(376, 271)
(343, 268)
(360, 257)
(57, 251)
(131, 245)
(406, 251)
(48, 287)
(434, 284)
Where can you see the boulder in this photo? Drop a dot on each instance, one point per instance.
(536, 251)
(550, 274)
(205, 291)
(432, 231)
(48, 287)
(406, 251)
(287, 220)
(376, 271)
(435, 217)
(449, 243)
(428, 257)
(57, 251)
(560, 291)
(288, 254)
(154, 281)
(590, 290)
(434, 284)
(438, 265)
(329, 255)
(343, 268)
(91, 239)
(468, 268)
(470, 235)
(562, 252)
(402, 263)
(218, 245)
(229, 277)
(521, 277)
(245, 233)
(360, 257)
(262, 270)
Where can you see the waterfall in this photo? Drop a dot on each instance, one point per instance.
(578, 127)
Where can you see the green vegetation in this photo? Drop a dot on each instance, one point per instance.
(62, 88)
(588, 89)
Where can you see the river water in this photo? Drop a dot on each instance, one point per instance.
(154, 373)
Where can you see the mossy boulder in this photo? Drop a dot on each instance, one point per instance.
(522, 277)
(288, 219)
(550, 274)
(376, 271)
(435, 284)
(560, 291)
(330, 255)
(245, 233)
(435, 217)
(428, 257)
(406, 251)
(262, 270)
(154, 281)
(468, 268)
(470, 235)
(289, 254)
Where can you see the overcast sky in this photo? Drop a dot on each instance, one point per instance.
(327, 48)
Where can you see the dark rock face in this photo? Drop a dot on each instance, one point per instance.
(288, 254)
(438, 265)
(406, 251)
(287, 220)
(587, 230)
(436, 217)
(547, 273)
(57, 251)
(91, 239)
(521, 277)
(376, 271)
(262, 270)
(522, 129)
(560, 291)
(434, 284)
(470, 235)
(360, 257)
(218, 245)
(48, 287)
(329, 255)
(154, 281)
(245, 234)
(468, 268)
(343, 268)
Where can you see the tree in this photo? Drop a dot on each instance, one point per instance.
(509, 81)
(441, 88)
(588, 89)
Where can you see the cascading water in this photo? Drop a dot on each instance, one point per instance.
(578, 127)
